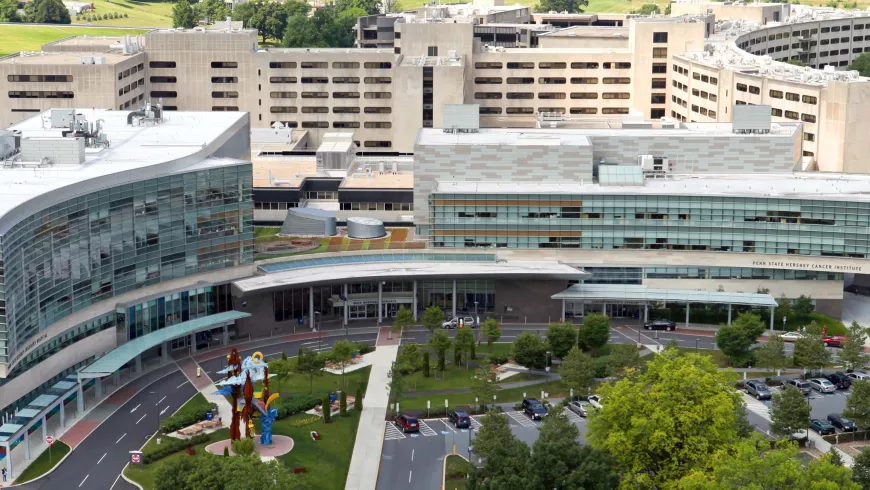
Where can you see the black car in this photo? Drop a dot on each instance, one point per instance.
(841, 422)
(534, 409)
(822, 426)
(840, 380)
(460, 420)
(660, 324)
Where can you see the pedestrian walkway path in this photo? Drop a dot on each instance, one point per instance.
(366, 458)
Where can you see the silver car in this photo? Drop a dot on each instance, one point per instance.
(857, 375)
(822, 385)
(799, 384)
(578, 408)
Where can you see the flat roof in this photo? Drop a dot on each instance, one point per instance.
(136, 152)
(626, 292)
(365, 173)
(61, 58)
(802, 185)
(290, 171)
(11, 430)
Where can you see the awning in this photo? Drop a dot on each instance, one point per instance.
(636, 293)
(123, 354)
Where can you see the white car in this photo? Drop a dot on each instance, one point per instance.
(854, 376)
(792, 336)
(822, 385)
(595, 401)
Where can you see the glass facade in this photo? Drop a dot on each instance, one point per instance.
(91, 248)
(148, 316)
(702, 223)
(636, 275)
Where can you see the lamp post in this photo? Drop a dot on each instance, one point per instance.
(548, 371)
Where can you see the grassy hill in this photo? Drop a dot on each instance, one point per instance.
(25, 37)
(144, 14)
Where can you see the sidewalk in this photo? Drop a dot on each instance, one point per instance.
(366, 458)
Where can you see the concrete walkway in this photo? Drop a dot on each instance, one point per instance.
(366, 459)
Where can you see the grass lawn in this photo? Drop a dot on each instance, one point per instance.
(325, 383)
(145, 475)
(456, 471)
(512, 395)
(719, 358)
(139, 13)
(25, 37)
(42, 463)
(264, 231)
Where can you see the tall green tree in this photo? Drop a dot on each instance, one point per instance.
(464, 340)
(433, 317)
(809, 351)
(46, 12)
(683, 423)
(311, 363)
(783, 308)
(211, 11)
(570, 6)
(789, 412)
(561, 337)
(858, 403)
(396, 386)
(182, 15)
(861, 470)
(408, 359)
(491, 331)
(578, 371)
(440, 343)
(595, 332)
(281, 368)
(771, 354)
(341, 354)
(529, 351)
(505, 458)
(9, 11)
(624, 358)
(803, 306)
(404, 320)
(555, 453)
(862, 64)
(426, 366)
(649, 9)
(737, 339)
(852, 354)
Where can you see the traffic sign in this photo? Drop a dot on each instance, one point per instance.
(135, 458)
(49, 440)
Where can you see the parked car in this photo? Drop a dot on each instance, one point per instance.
(460, 420)
(454, 322)
(857, 375)
(792, 336)
(660, 324)
(834, 340)
(822, 385)
(594, 400)
(800, 385)
(822, 426)
(840, 380)
(407, 423)
(759, 390)
(841, 422)
(577, 407)
(534, 409)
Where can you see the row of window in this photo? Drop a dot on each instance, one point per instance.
(793, 115)
(551, 80)
(132, 86)
(551, 65)
(806, 99)
(704, 78)
(128, 72)
(41, 94)
(573, 110)
(346, 124)
(551, 95)
(369, 80)
(324, 110)
(275, 206)
(335, 95)
(376, 206)
(346, 65)
(39, 78)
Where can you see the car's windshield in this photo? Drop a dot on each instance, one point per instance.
(761, 386)
(537, 407)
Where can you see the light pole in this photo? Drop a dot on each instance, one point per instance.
(548, 372)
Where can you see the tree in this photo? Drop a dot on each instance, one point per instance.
(570, 6)
(858, 403)
(595, 332)
(342, 353)
(809, 351)
(342, 404)
(578, 371)
(408, 359)
(649, 9)
(505, 458)
(244, 446)
(426, 366)
(182, 15)
(529, 351)
(852, 354)
(433, 317)
(47, 12)
(795, 62)
(736, 340)
(9, 11)
(491, 330)
(227, 451)
(308, 362)
(861, 469)
(752, 464)
(803, 306)
(211, 10)
(624, 358)
(327, 409)
(835, 457)
(483, 383)
(789, 412)
(668, 9)
(783, 309)
(220, 473)
(457, 354)
(862, 64)
(561, 337)
(440, 342)
(771, 354)
(389, 6)
(368, 7)
(396, 386)
(464, 341)
(682, 424)
(404, 319)
(358, 399)
(282, 369)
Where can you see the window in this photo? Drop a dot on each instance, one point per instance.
(520, 66)
(378, 110)
(551, 80)
(741, 87)
(345, 124)
(377, 80)
(161, 64)
(584, 81)
(776, 112)
(584, 110)
(616, 81)
(378, 65)
(225, 95)
(808, 118)
(551, 95)
(282, 95)
(41, 94)
(712, 114)
(224, 64)
(315, 124)
(345, 110)
(584, 95)
(224, 80)
(163, 79)
(40, 78)
(776, 94)
(344, 95)
(378, 125)
(660, 52)
(224, 108)
(314, 64)
(520, 80)
(660, 37)
(615, 95)
(315, 80)
(286, 124)
(378, 95)
(809, 99)
(345, 65)
(489, 110)
(378, 144)
(315, 110)
(551, 109)
(660, 68)
(492, 65)
(809, 137)
(519, 110)
(582, 65)
(660, 83)
(791, 115)
(282, 110)
(792, 96)
(657, 113)
(164, 93)
(282, 64)
(315, 95)
(487, 80)
(623, 66)
(657, 98)
(614, 110)
(282, 79)
(487, 95)
(432, 51)
(520, 95)
(551, 65)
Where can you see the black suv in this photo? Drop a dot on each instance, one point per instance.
(660, 324)
(534, 409)
(460, 420)
(841, 422)
(840, 380)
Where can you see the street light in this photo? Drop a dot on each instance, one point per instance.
(548, 371)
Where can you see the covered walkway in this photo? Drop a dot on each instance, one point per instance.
(642, 295)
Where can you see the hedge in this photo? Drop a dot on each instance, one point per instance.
(192, 412)
(171, 445)
(291, 405)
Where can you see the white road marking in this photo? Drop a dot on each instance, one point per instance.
(409, 476)
(274, 354)
(475, 424)
(83, 481)
(447, 425)
(164, 410)
(134, 408)
(573, 417)
(392, 433)
(158, 401)
(140, 418)
(310, 343)
(412, 455)
(426, 430)
(116, 481)
(101, 458)
(119, 439)
(521, 419)
(182, 384)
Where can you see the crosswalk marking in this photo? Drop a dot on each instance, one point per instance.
(475, 424)
(521, 419)
(426, 430)
(573, 417)
(447, 424)
(392, 433)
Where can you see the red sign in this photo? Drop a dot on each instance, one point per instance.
(49, 440)
(135, 458)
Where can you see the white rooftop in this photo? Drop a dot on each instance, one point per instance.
(828, 186)
(135, 153)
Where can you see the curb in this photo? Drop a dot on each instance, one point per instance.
(47, 472)
(279, 340)
(444, 469)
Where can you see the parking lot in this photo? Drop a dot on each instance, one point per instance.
(821, 404)
(414, 460)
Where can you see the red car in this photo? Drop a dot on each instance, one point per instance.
(834, 340)
(407, 423)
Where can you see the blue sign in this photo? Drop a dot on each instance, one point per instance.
(342, 297)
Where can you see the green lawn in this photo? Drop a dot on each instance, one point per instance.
(325, 383)
(456, 471)
(719, 358)
(144, 475)
(42, 464)
(512, 395)
(139, 13)
(264, 231)
(326, 461)
(31, 38)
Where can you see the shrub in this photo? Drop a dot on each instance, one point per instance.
(291, 405)
(426, 373)
(303, 421)
(191, 413)
(601, 366)
(342, 404)
(363, 347)
(226, 451)
(327, 409)
(358, 401)
(243, 447)
(495, 359)
(171, 445)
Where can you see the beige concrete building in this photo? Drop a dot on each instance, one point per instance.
(761, 13)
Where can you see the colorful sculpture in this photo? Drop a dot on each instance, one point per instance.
(241, 376)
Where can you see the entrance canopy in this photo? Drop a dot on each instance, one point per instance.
(125, 353)
(616, 293)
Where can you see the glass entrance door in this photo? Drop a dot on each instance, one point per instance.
(390, 309)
